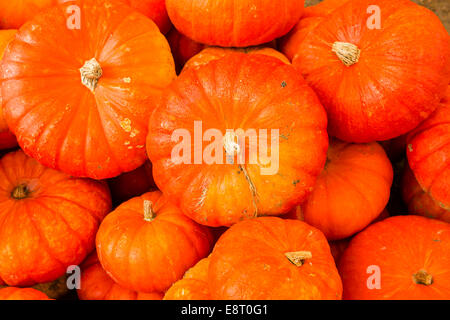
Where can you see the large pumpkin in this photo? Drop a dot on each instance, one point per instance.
(7, 139)
(229, 23)
(13, 14)
(48, 220)
(220, 183)
(403, 257)
(146, 244)
(429, 154)
(155, 10)
(78, 100)
(367, 75)
(351, 191)
(275, 259)
(97, 285)
(12, 293)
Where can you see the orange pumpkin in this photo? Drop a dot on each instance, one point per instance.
(78, 100)
(146, 244)
(97, 285)
(13, 14)
(275, 259)
(48, 220)
(366, 77)
(182, 47)
(272, 104)
(403, 257)
(418, 201)
(228, 23)
(155, 10)
(429, 154)
(11, 293)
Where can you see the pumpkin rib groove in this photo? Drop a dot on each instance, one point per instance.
(376, 173)
(425, 157)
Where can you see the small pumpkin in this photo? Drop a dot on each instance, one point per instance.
(366, 75)
(182, 47)
(238, 91)
(48, 220)
(146, 244)
(400, 258)
(228, 23)
(12, 293)
(78, 99)
(429, 154)
(155, 10)
(418, 201)
(13, 14)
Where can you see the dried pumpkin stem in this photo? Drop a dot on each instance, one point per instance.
(348, 53)
(149, 213)
(91, 72)
(20, 192)
(298, 257)
(423, 277)
(230, 143)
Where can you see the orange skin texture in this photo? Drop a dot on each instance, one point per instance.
(7, 139)
(182, 47)
(271, 95)
(429, 154)
(57, 119)
(11, 293)
(155, 10)
(193, 286)
(149, 256)
(249, 263)
(97, 285)
(418, 201)
(381, 96)
(229, 23)
(401, 246)
(50, 229)
(13, 14)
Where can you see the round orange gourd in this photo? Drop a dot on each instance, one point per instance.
(13, 14)
(78, 100)
(248, 92)
(229, 23)
(274, 259)
(155, 10)
(146, 244)
(182, 47)
(48, 220)
(428, 153)
(409, 255)
(418, 201)
(12, 293)
(366, 74)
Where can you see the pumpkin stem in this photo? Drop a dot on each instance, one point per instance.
(348, 53)
(423, 277)
(298, 257)
(91, 72)
(20, 192)
(230, 143)
(149, 213)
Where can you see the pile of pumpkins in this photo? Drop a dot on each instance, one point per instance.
(92, 92)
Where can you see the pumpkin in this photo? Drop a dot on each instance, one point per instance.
(13, 14)
(182, 47)
(132, 184)
(274, 259)
(351, 191)
(366, 77)
(48, 220)
(193, 286)
(79, 100)
(429, 154)
(400, 258)
(146, 244)
(7, 139)
(11, 293)
(229, 23)
(418, 201)
(155, 10)
(97, 285)
(272, 104)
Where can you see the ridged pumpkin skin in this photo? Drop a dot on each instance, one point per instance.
(155, 10)
(418, 201)
(250, 262)
(413, 254)
(428, 153)
(193, 286)
(13, 14)
(240, 91)
(57, 119)
(183, 48)
(97, 285)
(229, 23)
(380, 95)
(351, 191)
(148, 249)
(48, 220)
(12, 293)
